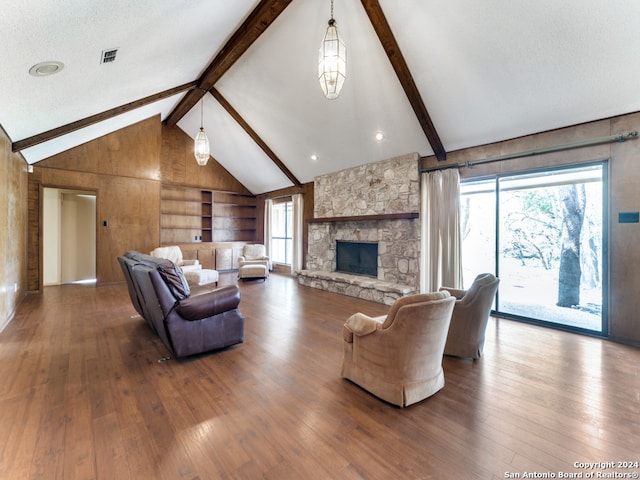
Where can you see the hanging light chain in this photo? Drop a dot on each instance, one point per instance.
(201, 114)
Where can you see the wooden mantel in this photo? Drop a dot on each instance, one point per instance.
(359, 218)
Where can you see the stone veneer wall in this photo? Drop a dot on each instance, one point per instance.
(389, 186)
(386, 187)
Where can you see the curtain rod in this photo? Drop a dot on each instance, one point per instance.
(284, 195)
(620, 137)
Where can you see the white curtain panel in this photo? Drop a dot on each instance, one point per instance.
(441, 245)
(296, 254)
(268, 206)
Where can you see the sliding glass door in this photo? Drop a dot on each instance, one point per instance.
(543, 234)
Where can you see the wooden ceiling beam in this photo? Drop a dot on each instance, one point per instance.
(254, 136)
(392, 49)
(255, 25)
(99, 117)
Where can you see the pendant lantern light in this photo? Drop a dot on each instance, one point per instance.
(332, 61)
(201, 149)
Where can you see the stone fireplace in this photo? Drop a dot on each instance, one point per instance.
(376, 203)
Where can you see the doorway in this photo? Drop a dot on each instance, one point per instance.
(69, 236)
(544, 234)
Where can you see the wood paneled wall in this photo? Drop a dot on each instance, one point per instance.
(624, 195)
(123, 169)
(179, 167)
(13, 229)
(126, 169)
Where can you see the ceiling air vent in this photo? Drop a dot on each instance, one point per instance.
(109, 56)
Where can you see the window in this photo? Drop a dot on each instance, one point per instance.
(281, 232)
(542, 234)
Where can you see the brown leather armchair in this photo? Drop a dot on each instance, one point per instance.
(398, 357)
(470, 317)
(189, 321)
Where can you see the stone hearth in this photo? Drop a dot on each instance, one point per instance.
(357, 286)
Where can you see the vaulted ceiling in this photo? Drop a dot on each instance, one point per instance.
(433, 76)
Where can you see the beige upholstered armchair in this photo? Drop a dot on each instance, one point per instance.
(470, 317)
(254, 255)
(398, 357)
(174, 254)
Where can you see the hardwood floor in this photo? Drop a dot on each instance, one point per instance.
(83, 396)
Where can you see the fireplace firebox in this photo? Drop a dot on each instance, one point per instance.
(360, 258)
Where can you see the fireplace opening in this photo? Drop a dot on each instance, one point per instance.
(360, 258)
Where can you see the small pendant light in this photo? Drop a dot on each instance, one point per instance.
(201, 150)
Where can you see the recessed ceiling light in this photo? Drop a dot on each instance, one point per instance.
(314, 157)
(43, 69)
(379, 136)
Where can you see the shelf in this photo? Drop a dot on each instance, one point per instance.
(360, 218)
(206, 215)
(181, 228)
(183, 200)
(182, 214)
(223, 204)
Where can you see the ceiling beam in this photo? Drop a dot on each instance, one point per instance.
(99, 117)
(256, 138)
(391, 47)
(255, 25)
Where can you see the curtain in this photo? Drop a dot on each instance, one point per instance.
(296, 254)
(268, 205)
(440, 239)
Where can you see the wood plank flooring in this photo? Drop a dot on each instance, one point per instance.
(83, 396)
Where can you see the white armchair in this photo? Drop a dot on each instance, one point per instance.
(254, 255)
(174, 254)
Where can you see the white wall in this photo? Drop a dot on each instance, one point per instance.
(51, 236)
(69, 236)
(78, 237)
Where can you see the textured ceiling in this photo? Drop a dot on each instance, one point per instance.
(486, 71)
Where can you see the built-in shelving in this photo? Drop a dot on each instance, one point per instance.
(206, 215)
(191, 215)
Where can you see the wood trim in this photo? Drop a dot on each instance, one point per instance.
(256, 138)
(282, 199)
(99, 117)
(358, 218)
(391, 47)
(255, 25)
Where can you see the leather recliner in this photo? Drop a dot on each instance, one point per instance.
(187, 322)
